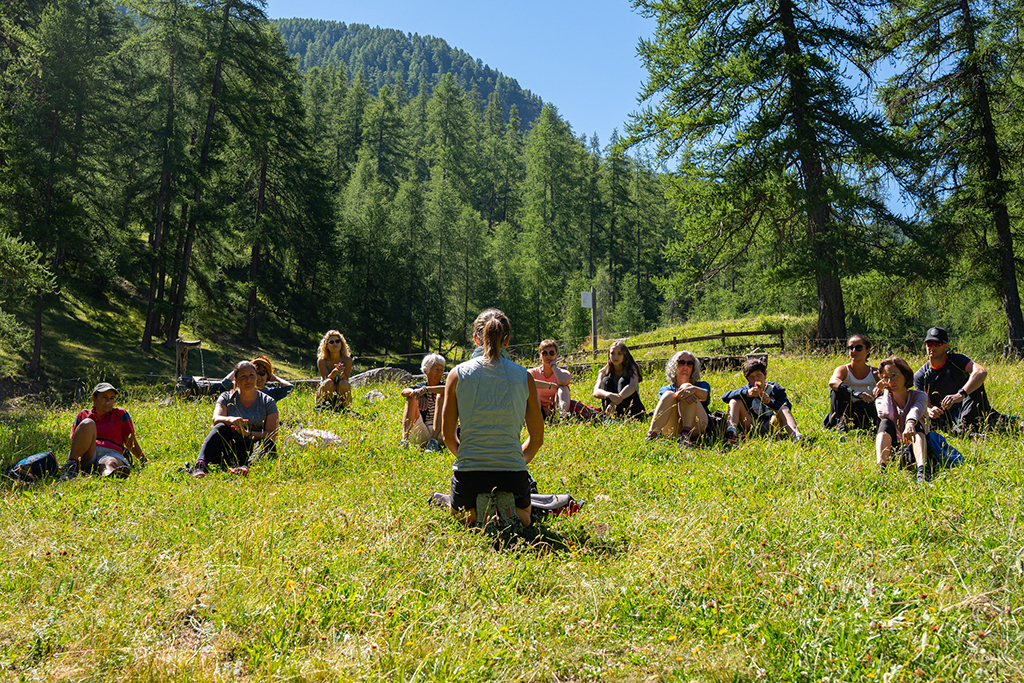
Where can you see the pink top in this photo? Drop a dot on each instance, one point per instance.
(545, 394)
(916, 409)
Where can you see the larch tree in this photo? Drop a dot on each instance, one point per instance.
(753, 98)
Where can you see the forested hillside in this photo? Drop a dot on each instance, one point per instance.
(403, 60)
(175, 159)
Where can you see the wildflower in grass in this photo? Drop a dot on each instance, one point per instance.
(503, 629)
(289, 586)
(671, 639)
(722, 631)
(679, 659)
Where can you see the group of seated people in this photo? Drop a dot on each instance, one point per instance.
(946, 393)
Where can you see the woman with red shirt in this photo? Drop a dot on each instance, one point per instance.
(103, 439)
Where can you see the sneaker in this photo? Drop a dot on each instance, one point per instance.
(651, 436)
(404, 445)
(71, 470)
(120, 472)
(241, 471)
(922, 474)
(684, 440)
(798, 438)
(199, 470)
(432, 446)
(440, 500)
(731, 439)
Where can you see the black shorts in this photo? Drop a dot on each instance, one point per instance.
(466, 486)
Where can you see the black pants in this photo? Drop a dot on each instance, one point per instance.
(226, 447)
(630, 407)
(845, 409)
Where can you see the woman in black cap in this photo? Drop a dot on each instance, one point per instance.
(103, 438)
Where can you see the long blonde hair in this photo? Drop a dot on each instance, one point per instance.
(322, 351)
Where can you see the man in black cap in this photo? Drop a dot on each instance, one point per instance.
(955, 386)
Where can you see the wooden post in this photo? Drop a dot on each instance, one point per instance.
(593, 319)
(781, 342)
(183, 347)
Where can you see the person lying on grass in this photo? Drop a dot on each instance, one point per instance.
(682, 410)
(617, 384)
(904, 417)
(491, 398)
(335, 365)
(553, 386)
(761, 406)
(103, 438)
(242, 419)
(421, 418)
(852, 389)
(264, 374)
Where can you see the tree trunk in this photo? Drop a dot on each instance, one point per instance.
(831, 309)
(204, 155)
(994, 188)
(251, 333)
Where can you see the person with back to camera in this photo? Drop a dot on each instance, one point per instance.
(103, 438)
(335, 366)
(904, 417)
(421, 418)
(553, 386)
(242, 419)
(491, 398)
(617, 384)
(955, 386)
(853, 388)
(760, 406)
(264, 374)
(682, 410)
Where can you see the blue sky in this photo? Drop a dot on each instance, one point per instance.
(579, 56)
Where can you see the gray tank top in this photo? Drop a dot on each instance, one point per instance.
(857, 385)
(492, 411)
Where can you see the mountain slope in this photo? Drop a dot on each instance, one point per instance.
(387, 56)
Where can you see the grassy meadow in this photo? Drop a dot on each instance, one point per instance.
(772, 562)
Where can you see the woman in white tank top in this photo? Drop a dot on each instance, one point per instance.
(852, 389)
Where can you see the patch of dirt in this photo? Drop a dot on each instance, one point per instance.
(16, 393)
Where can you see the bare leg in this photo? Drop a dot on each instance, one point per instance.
(738, 415)
(883, 448)
(666, 417)
(920, 448)
(787, 420)
(467, 516)
(409, 415)
(692, 417)
(325, 391)
(83, 443)
(344, 391)
(562, 400)
(524, 515)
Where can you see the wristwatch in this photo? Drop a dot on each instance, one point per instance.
(962, 393)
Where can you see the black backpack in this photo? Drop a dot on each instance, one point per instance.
(34, 467)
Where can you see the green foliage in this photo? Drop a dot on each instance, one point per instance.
(406, 60)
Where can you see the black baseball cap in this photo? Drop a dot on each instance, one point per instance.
(937, 334)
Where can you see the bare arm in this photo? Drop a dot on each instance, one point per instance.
(598, 391)
(132, 444)
(450, 417)
(346, 371)
(974, 381)
(220, 416)
(321, 365)
(279, 380)
(270, 426)
(838, 377)
(534, 422)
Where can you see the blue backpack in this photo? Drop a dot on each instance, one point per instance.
(942, 452)
(34, 467)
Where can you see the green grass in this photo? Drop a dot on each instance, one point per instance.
(773, 562)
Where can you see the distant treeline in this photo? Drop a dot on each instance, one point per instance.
(403, 60)
(175, 157)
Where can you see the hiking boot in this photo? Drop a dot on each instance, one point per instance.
(432, 446)
(440, 500)
(241, 471)
(71, 470)
(199, 470)
(731, 439)
(922, 474)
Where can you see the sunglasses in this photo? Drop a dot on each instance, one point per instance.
(687, 363)
(549, 352)
(334, 341)
(261, 373)
(855, 347)
(931, 343)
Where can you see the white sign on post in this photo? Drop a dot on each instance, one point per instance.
(585, 300)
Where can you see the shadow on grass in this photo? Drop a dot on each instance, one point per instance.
(540, 539)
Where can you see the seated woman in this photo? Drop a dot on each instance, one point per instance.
(853, 388)
(421, 419)
(335, 366)
(617, 384)
(264, 374)
(904, 417)
(103, 438)
(682, 409)
(553, 386)
(242, 418)
(491, 398)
